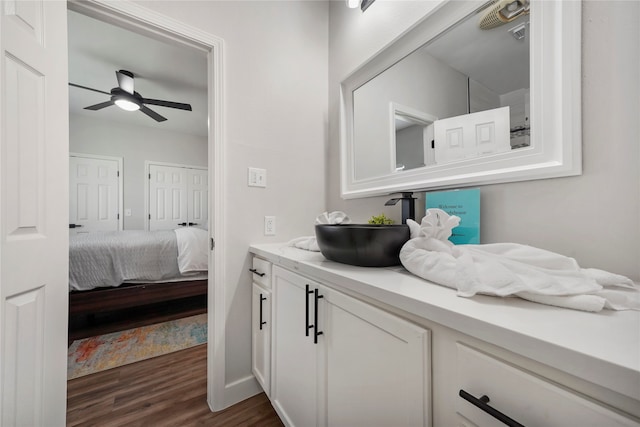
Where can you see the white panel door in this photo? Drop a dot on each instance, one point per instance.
(93, 197)
(168, 204)
(197, 197)
(34, 202)
(472, 135)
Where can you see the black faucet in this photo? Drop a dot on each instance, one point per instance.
(408, 206)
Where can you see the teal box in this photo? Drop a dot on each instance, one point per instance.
(464, 204)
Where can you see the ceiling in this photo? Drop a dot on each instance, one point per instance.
(162, 71)
(491, 57)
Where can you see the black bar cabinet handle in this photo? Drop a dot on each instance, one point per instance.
(183, 224)
(482, 404)
(193, 223)
(316, 334)
(254, 271)
(75, 225)
(306, 306)
(262, 298)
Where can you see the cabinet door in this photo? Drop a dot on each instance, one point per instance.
(377, 366)
(261, 337)
(526, 398)
(294, 357)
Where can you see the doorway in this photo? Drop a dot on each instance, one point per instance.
(142, 21)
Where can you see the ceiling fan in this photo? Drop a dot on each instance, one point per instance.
(128, 99)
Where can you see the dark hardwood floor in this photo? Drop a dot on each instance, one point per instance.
(168, 390)
(83, 326)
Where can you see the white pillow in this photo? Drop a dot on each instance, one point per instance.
(193, 251)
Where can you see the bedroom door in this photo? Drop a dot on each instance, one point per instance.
(94, 197)
(197, 197)
(34, 146)
(178, 197)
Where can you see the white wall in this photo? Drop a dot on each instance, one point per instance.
(594, 217)
(135, 144)
(275, 117)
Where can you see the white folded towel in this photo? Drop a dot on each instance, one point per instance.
(504, 269)
(309, 243)
(335, 217)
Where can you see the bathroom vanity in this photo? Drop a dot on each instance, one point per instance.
(338, 345)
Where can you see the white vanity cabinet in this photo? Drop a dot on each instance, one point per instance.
(394, 349)
(337, 361)
(261, 323)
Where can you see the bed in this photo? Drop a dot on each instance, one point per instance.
(122, 269)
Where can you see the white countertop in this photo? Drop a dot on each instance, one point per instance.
(603, 348)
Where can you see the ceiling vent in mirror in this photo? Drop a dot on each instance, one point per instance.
(503, 11)
(364, 4)
(519, 31)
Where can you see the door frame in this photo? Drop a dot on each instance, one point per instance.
(147, 194)
(120, 181)
(138, 18)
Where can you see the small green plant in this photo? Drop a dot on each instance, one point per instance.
(380, 219)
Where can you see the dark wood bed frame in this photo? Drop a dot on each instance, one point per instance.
(102, 300)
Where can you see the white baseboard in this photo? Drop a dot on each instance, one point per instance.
(240, 390)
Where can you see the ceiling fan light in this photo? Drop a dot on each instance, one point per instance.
(127, 105)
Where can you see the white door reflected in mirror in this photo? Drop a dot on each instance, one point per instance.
(472, 135)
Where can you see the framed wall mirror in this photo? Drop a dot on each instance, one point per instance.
(476, 93)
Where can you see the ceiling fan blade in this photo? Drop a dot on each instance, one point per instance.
(155, 116)
(99, 106)
(125, 80)
(169, 104)
(88, 88)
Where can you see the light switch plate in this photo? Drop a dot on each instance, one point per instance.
(257, 177)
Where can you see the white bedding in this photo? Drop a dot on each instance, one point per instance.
(193, 254)
(108, 259)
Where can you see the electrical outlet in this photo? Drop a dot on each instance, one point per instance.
(269, 225)
(257, 177)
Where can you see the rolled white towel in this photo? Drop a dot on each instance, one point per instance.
(308, 243)
(335, 217)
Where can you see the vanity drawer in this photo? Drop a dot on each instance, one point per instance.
(522, 396)
(261, 271)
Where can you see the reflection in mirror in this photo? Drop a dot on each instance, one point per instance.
(412, 137)
(465, 70)
(484, 77)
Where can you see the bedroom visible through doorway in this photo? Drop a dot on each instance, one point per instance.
(103, 130)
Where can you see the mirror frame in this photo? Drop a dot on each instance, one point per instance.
(555, 106)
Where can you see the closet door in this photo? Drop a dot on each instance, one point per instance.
(168, 203)
(197, 197)
(94, 194)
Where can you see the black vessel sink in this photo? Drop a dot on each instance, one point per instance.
(365, 245)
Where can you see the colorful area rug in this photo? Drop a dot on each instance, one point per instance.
(102, 352)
